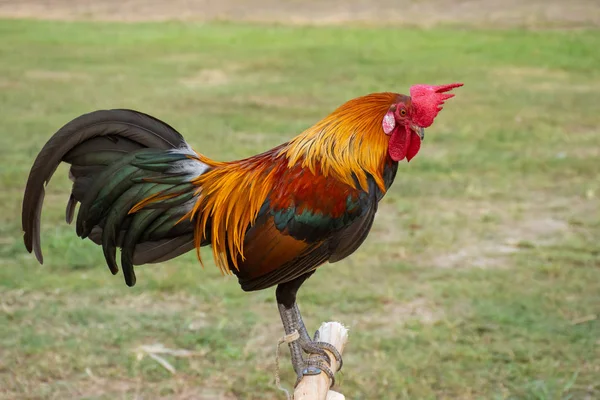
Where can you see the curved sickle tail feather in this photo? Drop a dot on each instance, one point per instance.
(120, 158)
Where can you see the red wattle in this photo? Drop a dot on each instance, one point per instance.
(404, 143)
(397, 144)
(414, 146)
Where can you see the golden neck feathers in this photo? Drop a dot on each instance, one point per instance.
(347, 144)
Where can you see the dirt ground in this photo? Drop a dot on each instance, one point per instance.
(530, 13)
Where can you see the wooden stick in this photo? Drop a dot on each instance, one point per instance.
(316, 387)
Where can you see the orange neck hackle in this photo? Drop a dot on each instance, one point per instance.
(350, 141)
(347, 144)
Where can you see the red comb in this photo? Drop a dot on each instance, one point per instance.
(428, 100)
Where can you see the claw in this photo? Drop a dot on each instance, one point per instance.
(318, 360)
(331, 348)
(319, 348)
(314, 366)
(315, 348)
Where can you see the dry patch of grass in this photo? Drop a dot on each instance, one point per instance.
(7, 84)
(476, 233)
(90, 386)
(424, 12)
(55, 76)
(487, 252)
(391, 317)
(208, 77)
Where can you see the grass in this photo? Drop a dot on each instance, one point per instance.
(481, 278)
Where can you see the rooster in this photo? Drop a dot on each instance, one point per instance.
(271, 219)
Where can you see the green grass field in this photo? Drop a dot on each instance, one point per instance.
(480, 279)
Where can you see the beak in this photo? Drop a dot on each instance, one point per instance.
(419, 131)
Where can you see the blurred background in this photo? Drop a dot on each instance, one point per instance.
(481, 277)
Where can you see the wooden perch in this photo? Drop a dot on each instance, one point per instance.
(316, 387)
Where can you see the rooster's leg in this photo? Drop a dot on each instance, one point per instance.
(292, 321)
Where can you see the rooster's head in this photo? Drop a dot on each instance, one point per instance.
(406, 119)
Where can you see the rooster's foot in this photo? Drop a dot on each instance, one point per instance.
(313, 365)
(316, 347)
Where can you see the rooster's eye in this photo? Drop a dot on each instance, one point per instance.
(403, 112)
